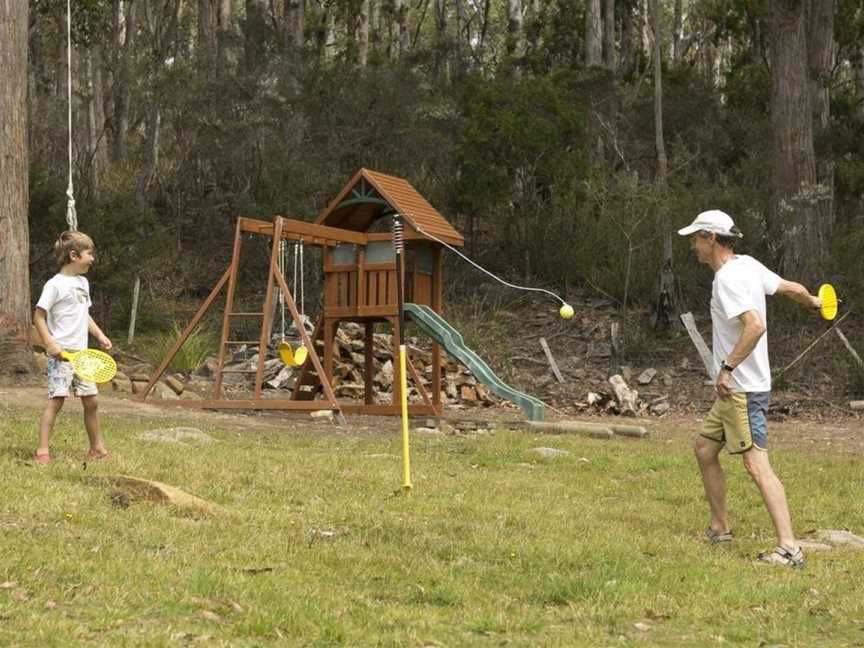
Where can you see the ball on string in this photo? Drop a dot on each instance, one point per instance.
(566, 311)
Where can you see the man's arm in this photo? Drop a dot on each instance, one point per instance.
(753, 329)
(798, 293)
(97, 333)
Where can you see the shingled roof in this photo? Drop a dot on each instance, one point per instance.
(370, 195)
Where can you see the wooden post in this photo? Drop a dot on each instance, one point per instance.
(369, 361)
(135, 290)
(701, 347)
(551, 360)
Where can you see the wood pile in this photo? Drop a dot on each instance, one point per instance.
(458, 385)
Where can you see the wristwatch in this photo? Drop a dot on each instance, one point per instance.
(726, 367)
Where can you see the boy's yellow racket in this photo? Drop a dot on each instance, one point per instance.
(91, 365)
(828, 309)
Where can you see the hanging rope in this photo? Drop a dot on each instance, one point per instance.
(71, 215)
(283, 254)
(481, 268)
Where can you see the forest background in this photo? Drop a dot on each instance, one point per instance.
(566, 139)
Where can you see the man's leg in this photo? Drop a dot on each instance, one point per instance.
(773, 494)
(91, 422)
(708, 456)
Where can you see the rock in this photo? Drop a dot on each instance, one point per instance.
(140, 377)
(136, 488)
(427, 430)
(548, 453)
(856, 405)
(468, 393)
(163, 391)
(121, 383)
(646, 376)
(138, 386)
(178, 435)
(599, 350)
(660, 408)
(837, 537)
(176, 385)
(325, 414)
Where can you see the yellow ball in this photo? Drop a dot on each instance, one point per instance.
(566, 311)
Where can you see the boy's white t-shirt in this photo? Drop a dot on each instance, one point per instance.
(740, 286)
(66, 300)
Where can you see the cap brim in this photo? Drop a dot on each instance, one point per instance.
(690, 229)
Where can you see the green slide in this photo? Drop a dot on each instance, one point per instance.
(436, 327)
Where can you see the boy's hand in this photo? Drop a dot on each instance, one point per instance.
(105, 343)
(53, 349)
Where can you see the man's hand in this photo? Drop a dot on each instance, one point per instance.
(723, 386)
(104, 342)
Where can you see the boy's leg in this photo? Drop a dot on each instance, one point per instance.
(773, 494)
(91, 422)
(714, 481)
(46, 423)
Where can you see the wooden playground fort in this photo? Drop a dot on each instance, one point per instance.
(360, 285)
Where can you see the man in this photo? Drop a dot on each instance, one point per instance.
(738, 418)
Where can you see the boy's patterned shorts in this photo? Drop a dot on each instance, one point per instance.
(61, 378)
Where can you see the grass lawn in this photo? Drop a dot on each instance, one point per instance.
(601, 547)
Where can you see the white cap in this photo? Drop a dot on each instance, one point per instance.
(715, 221)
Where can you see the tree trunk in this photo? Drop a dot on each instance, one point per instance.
(400, 28)
(124, 41)
(859, 80)
(820, 53)
(628, 38)
(225, 24)
(98, 157)
(610, 58)
(442, 40)
(255, 33)
(292, 32)
(514, 29)
(667, 303)
(207, 18)
(677, 29)
(363, 34)
(593, 33)
(15, 356)
(794, 213)
(659, 143)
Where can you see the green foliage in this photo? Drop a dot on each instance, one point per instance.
(200, 344)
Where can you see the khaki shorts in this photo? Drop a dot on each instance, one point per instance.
(61, 379)
(739, 422)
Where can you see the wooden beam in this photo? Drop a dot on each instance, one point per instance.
(295, 229)
(185, 334)
(701, 347)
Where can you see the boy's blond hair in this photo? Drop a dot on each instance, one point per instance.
(71, 242)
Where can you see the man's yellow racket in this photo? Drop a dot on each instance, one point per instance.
(91, 365)
(828, 309)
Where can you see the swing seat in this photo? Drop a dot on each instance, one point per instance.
(290, 357)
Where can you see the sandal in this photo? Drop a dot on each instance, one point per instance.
(42, 458)
(783, 556)
(715, 537)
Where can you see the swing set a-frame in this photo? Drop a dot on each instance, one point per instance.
(360, 278)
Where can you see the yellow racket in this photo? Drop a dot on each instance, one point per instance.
(828, 309)
(91, 365)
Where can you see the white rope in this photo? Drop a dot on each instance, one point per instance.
(281, 297)
(71, 215)
(479, 267)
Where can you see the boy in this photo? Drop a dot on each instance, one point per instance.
(63, 320)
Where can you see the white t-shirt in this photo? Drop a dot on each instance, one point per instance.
(740, 286)
(66, 300)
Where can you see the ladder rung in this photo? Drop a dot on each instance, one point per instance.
(239, 314)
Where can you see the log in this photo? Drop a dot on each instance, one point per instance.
(850, 349)
(572, 427)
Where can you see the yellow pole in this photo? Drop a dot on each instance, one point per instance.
(406, 450)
